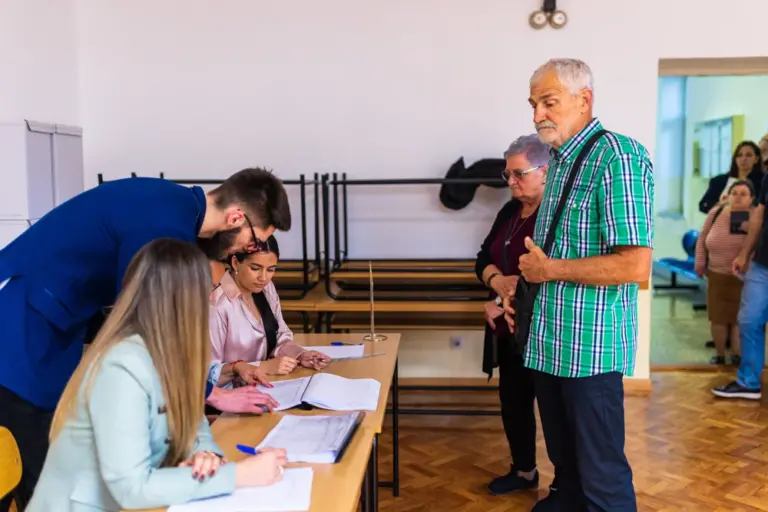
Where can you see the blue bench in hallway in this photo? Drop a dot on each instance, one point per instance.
(681, 267)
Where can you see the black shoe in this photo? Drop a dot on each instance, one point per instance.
(512, 482)
(735, 360)
(736, 390)
(717, 360)
(552, 503)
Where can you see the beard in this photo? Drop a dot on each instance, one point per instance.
(220, 246)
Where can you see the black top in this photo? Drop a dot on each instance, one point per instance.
(718, 183)
(485, 257)
(761, 252)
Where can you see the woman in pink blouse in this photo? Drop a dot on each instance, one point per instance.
(718, 245)
(247, 326)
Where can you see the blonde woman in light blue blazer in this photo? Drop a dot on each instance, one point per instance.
(129, 431)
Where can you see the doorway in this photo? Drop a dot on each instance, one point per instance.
(705, 108)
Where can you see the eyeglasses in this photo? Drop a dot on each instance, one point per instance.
(517, 173)
(258, 244)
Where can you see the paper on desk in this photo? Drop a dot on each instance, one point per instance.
(336, 393)
(288, 393)
(314, 439)
(339, 352)
(291, 494)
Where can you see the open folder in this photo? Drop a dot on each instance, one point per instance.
(326, 391)
(314, 439)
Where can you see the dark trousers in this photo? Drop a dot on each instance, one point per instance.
(29, 426)
(516, 391)
(583, 423)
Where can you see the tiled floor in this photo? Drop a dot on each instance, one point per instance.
(678, 333)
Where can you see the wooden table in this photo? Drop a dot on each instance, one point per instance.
(335, 487)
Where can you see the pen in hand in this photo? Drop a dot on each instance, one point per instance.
(250, 450)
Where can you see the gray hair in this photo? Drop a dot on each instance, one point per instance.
(574, 74)
(531, 146)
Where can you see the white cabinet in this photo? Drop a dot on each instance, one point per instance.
(41, 166)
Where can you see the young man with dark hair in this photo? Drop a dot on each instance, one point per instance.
(57, 275)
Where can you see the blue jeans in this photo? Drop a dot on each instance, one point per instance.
(753, 315)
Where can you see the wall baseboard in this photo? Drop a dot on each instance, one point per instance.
(632, 386)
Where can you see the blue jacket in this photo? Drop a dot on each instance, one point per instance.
(69, 265)
(108, 455)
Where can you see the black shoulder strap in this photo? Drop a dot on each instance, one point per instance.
(567, 190)
(717, 213)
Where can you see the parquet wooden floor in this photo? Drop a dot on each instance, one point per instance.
(689, 452)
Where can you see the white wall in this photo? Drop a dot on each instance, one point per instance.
(38, 61)
(396, 88)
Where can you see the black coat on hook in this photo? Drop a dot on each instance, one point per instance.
(458, 195)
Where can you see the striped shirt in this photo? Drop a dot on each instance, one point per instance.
(717, 247)
(580, 330)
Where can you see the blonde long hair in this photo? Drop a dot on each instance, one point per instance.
(164, 300)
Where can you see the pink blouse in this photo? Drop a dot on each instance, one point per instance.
(236, 334)
(717, 247)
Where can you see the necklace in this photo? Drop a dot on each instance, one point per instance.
(515, 228)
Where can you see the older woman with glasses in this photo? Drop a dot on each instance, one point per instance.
(497, 267)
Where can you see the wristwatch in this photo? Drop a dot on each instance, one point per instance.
(490, 278)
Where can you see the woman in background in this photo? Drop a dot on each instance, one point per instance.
(129, 430)
(746, 165)
(247, 326)
(497, 267)
(718, 245)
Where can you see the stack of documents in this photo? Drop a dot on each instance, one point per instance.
(293, 493)
(326, 391)
(314, 439)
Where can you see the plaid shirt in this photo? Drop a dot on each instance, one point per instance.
(580, 330)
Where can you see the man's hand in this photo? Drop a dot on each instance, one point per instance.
(535, 265)
(505, 285)
(740, 265)
(282, 365)
(251, 375)
(314, 359)
(246, 399)
(492, 312)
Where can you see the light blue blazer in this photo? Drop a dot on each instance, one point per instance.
(107, 457)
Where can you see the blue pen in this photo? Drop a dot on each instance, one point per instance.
(341, 343)
(250, 450)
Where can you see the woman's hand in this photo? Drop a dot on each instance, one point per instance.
(247, 399)
(204, 464)
(251, 375)
(314, 359)
(492, 312)
(740, 265)
(509, 313)
(700, 269)
(505, 285)
(263, 469)
(282, 365)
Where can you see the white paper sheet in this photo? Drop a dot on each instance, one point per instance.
(315, 439)
(340, 351)
(288, 393)
(291, 494)
(336, 393)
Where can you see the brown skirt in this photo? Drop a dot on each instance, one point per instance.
(723, 298)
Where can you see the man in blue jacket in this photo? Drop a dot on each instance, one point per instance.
(68, 266)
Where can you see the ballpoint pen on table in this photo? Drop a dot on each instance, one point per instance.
(342, 343)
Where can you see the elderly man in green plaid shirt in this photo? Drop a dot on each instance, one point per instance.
(583, 332)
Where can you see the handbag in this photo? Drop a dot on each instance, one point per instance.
(525, 293)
